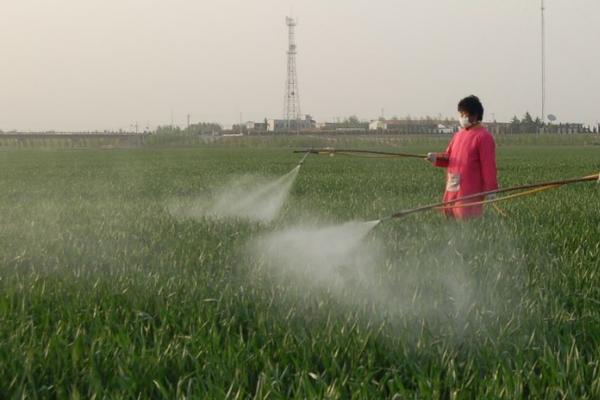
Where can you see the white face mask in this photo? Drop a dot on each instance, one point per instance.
(464, 121)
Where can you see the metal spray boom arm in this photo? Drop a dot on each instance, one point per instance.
(358, 153)
(538, 186)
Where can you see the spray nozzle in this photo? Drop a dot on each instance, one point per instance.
(306, 153)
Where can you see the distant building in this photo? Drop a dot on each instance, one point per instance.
(500, 128)
(566, 128)
(441, 128)
(377, 125)
(239, 134)
(426, 126)
(281, 125)
(256, 126)
(345, 126)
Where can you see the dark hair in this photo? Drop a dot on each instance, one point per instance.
(472, 106)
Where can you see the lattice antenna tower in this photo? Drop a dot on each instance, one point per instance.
(292, 95)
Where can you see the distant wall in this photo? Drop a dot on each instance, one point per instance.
(43, 140)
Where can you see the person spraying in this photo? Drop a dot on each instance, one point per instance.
(470, 160)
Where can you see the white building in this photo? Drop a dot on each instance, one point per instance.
(412, 126)
(377, 125)
(445, 129)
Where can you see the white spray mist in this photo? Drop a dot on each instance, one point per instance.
(326, 256)
(442, 283)
(253, 199)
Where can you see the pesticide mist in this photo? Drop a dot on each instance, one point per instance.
(360, 269)
(333, 256)
(251, 198)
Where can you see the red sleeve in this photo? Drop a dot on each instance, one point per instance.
(443, 159)
(487, 158)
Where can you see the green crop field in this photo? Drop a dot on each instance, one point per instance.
(104, 293)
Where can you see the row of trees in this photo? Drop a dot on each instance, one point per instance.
(526, 124)
(354, 120)
(200, 128)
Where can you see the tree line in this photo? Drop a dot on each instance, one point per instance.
(200, 128)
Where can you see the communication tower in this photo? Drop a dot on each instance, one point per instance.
(291, 108)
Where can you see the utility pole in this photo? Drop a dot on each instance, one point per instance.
(543, 64)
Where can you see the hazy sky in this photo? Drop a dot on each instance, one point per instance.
(91, 64)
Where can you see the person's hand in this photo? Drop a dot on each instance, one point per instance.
(431, 157)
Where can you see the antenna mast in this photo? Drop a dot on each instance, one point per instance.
(543, 64)
(292, 96)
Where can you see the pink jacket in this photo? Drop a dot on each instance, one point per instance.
(471, 162)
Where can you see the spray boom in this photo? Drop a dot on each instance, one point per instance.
(360, 153)
(523, 190)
